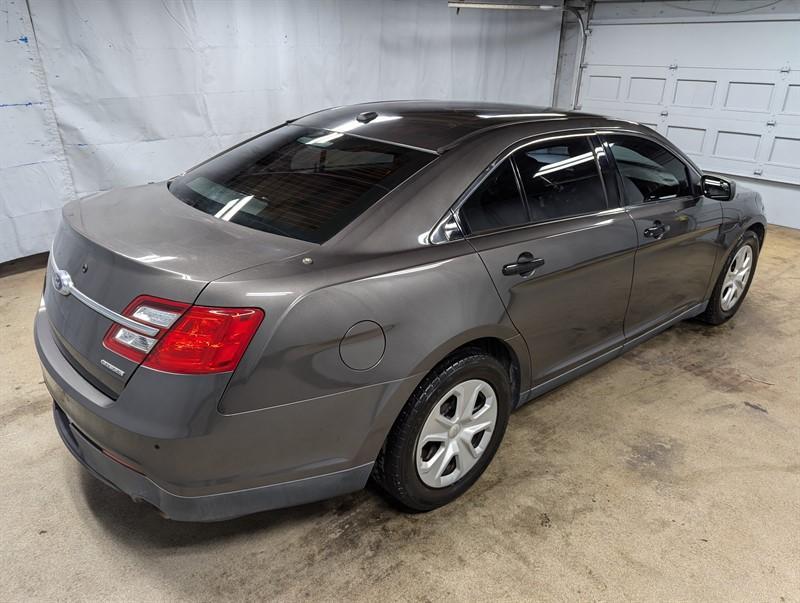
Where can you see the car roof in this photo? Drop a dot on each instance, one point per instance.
(434, 126)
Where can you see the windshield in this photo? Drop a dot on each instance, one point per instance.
(298, 182)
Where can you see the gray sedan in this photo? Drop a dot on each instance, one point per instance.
(368, 292)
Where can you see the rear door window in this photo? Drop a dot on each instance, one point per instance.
(496, 203)
(560, 179)
(298, 182)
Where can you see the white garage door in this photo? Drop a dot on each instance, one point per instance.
(728, 94)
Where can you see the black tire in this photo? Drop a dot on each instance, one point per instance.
(714, 314)
(395, 470)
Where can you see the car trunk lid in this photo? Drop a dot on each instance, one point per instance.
(140, 241)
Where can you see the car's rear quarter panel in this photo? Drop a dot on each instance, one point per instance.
(422, 299)
(428, 302)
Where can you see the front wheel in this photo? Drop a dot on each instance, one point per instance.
(734, 281)
(447, 433)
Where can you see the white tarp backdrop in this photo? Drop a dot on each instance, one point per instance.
(34, 178)
(142, 90)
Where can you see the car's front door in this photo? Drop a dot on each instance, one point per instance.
(677, 229)
(559, 255)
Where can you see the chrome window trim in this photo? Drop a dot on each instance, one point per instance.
(674, 150)
(656, 202)
(588, 133)
(107, 312)
(599, 214)
(596, 132)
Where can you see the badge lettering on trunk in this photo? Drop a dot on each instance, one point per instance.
(112, 368)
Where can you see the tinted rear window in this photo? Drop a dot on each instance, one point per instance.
(298, 182)
(496, 203)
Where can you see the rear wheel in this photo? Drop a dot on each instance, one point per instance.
(734, 281)
(448, 432)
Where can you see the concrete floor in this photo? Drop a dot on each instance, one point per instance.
(672, 473)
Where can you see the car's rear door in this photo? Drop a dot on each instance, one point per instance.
(559, 253)
(677, 229)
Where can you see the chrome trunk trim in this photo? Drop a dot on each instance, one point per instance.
(101, 309)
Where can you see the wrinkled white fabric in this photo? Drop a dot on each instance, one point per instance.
(143, 90)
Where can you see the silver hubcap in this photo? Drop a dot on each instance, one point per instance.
(456, 433)
(737, 277)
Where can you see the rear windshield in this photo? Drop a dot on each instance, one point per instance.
(298, 182)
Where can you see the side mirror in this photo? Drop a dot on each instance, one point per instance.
(715, 187)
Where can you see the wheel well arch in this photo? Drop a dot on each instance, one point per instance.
(499, 349)
(489, 344)
(494, 346)
(760, 230)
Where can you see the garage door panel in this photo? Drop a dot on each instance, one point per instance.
(738, 148)
(722, 141)
(749, 96)
(730, 146)
(738, 118)
(732, 94)
(690, 140)
(706, 44)
(791, 100)
(782, 155)
(606, 86)
(785, 150)
(736, 145)
(647, 90)
(694, 92)
(787, 105)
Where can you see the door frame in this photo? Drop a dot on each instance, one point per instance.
(453, 212)
(695, 195)
(613, 201)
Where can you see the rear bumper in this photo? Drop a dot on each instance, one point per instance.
(213, 507)
(208, 467)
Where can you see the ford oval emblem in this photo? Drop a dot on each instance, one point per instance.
(62, 282)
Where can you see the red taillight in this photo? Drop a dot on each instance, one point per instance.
(206, 340)
(193, 340)
(154, 312)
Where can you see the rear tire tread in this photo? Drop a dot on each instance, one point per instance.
(386, 472)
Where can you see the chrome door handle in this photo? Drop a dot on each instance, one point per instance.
(657, 230)
(524, 266)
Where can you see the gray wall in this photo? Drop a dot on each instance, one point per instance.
(109, 94)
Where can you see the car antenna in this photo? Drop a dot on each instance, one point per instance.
(366, 117)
